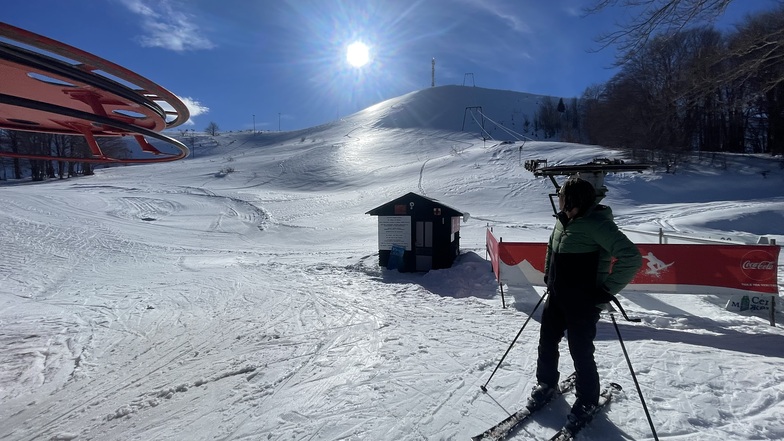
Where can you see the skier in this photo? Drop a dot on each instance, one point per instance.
(578, 277)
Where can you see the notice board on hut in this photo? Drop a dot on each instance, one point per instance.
(417, 233)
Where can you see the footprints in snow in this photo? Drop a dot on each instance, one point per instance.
(153, 399)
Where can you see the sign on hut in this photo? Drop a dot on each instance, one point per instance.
(417, 233)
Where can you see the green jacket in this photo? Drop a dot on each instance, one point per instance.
(580, 254)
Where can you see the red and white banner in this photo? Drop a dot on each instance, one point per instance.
(676, 268)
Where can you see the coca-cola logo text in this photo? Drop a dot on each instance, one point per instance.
(759, 265)
(764, 265)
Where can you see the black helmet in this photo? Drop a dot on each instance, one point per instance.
(578, 193)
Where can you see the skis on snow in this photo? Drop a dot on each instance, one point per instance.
(571, 430)
(501, 430)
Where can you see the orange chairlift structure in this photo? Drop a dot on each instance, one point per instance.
(51, 87)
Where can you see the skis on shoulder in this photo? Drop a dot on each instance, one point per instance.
(501, 430)
(571, 429)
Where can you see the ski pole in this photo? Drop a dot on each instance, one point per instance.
(634, 377)
(484, 388)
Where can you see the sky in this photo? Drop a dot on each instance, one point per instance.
(281, 65)
(236, 294)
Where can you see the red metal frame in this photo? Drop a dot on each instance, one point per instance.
(40, 93)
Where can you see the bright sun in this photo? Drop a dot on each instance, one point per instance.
(357, 54)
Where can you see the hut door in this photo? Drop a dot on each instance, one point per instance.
(424, 246)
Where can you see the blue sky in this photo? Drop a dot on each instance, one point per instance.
(282, 64)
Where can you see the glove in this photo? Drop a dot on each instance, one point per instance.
(601, 295)
(603, 298)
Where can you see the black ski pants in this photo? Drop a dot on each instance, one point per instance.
(578, 320)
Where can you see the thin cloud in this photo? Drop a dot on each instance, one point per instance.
(166, 27)
(512, 19)
(574, 12)
(194, 107)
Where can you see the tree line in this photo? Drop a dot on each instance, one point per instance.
(685, 90)
(52, 145)
(65, 146)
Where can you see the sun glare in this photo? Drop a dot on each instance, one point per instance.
(357, 54)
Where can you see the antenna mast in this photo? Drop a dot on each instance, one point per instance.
(433, 74)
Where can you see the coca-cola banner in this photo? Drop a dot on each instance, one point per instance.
(492, 250)
(666, 268)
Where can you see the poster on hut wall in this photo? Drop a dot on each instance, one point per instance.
(394, 230)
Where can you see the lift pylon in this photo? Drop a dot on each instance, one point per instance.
(593, 172)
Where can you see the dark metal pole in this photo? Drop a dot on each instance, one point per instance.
(484, 388)
(634, 377)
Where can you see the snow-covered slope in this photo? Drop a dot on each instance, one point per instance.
(236, 295)
(459, 108)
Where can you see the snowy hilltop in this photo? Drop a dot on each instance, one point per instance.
(236, 294)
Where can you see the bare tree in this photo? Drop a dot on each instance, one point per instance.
(757, 50)
(115, 147)
(14, 143)
(695, 87)
(616, 113)
(212, 128)
(650, 18)
(62, 145)
(653, 17)
(39, 144)
(548, 118)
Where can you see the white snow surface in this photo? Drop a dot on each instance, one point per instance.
(236, 294)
